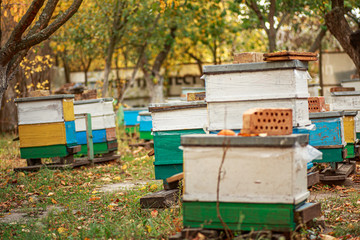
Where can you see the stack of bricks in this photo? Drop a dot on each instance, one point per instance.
(317, 104)
(276, 121)
(248, 57)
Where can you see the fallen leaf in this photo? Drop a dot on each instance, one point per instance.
(54, 201)
(327, 237)
(50, 194)
(117, 178)
(21, 174)
(61, 230)
(154, 213)
(124, 167)
(148, 228)
(106, 179)
(63, 182)
(94, 199)
(153, 187)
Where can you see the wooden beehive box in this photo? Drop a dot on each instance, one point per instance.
(131, 120)
(171, 121)
(256, 81)
(262, 180)
(145, 125)
(102, 121)
(347, 101)
(46, 126)
(233, 89)
(350, 121)
(229, 115)
(329, 135)
(256, 169)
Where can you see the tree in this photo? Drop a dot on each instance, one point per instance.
(78, 42)
(339, 26)
(33, 28)
(270, 16)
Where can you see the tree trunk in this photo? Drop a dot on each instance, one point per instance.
(272, 40)
(3, 82)
(109, 56)
(8, 114)
(317, 43)
(157, 94)
(66, 67)
(339, 27)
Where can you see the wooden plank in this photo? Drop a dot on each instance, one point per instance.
(307, 212)
(287, 58)
(110, 134)
(113, 145)
(239, 216)
(175, 178)
(329, 147)
(177, 107)
(47, 134)
(78, 163)
(312, 179)
(74, 149)
(290, 53)
(68, 108)
(160, 199)
(44, 152)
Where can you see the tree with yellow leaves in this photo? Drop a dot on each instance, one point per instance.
(36, 24)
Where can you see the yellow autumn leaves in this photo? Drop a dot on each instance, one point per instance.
(169, 3)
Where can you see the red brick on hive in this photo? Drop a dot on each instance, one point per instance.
(271, 121)
(316, 104)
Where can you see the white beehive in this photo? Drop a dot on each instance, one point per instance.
(178, 116)
(229, 115)
(255, 170)
(256, 81)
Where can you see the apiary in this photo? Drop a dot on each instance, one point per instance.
(103, 125)
(263, 181)
(233, 89)
(171, 121)
(46, 126)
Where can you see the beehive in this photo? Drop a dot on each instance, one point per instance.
(103, 125)
(350, 133)
(347, 101)
(233, 89)
(145, 125)
(170, 122)
(131, 120)
(329, 136)
(263, 179)
(229, 115)
(269, 121)
(46, 126)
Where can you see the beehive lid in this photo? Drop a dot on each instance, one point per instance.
(332, 114)
(44, 98)
(161, 107)
(208, 140)
(193, 88)
(145, 113)
(350, 113)
(347, 93)
(350, 80)
(93, 101)
(136, 109)
(255, 67)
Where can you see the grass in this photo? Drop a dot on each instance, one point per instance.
(82, 211)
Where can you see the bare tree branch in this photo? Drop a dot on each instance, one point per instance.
(46, 32)
(316, 44)
(283, 19)
(25, 21)
(253, 5)
(44, 18)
